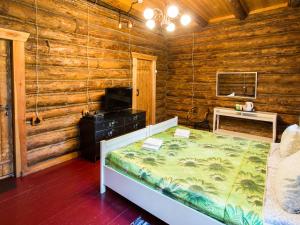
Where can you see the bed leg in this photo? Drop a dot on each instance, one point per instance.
(102, 189)
(102, 163)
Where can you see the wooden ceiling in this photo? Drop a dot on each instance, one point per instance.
(207, 11)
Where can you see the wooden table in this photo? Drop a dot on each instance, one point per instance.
(259, 116)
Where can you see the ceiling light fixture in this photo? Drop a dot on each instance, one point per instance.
(129, 24)
(148, 14)
(166, 20)
(150, 24)
(129, 21)
(173, 11)
(171, 27)
(185, 20)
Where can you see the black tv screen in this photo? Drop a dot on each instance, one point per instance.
(118, 98)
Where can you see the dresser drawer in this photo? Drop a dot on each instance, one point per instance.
(134, 118)
(100, 135)
(135, 126)
(114, 132)
(108, 133)
(109, 124)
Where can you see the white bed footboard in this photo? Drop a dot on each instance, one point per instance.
(115, 143)
(165, 208)
(156, 203)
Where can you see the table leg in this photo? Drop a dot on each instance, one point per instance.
(274, 130)
(218, 122)
(214, 122)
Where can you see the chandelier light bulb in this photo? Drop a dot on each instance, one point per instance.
(150, 24)
(173, 11)
(130, 25)
(120, 25)
(148, 14)
(171, 27)
(185, 20)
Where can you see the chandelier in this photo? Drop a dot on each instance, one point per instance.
(165, 19)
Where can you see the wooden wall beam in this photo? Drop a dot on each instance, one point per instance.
(51, 162)
(239, 10)
(294, 3)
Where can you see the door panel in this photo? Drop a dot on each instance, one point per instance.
(144, 87)
(6, 132)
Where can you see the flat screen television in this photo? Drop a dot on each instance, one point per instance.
(118, 98)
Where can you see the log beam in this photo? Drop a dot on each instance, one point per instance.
(239, 10)
(115, 9)
(198, 19)
(294, 3)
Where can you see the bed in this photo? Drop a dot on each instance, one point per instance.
(273, 213)
(206, 179)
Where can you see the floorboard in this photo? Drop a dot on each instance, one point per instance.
(67, 194)
(7, 184)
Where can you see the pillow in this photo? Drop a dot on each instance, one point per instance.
(287, 184)
(290, 141)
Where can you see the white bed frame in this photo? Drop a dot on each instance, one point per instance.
(158, 204)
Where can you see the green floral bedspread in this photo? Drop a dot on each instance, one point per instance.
(221, 176)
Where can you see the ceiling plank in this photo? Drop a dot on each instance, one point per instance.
(238, 10)
(294, 3)
(196, 17)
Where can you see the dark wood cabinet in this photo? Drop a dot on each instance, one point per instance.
(106, 125)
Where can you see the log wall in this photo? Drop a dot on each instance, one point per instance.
(74, 51)
(267, 43)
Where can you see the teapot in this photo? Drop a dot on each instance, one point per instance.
(248, 107)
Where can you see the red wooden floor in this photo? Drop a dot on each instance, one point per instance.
(66, 194)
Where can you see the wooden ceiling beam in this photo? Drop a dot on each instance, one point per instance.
(115, 9)
(239, 10)
(294, 3)
(198, 19)
(195, 16)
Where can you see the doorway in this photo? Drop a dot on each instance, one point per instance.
(144, 85)
(6, 120)
(13, 153)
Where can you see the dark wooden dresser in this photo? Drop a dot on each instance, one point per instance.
(106, 125)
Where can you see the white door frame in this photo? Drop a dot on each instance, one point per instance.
(135, 57)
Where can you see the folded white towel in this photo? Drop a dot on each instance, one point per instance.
(182, 133)
(152, 144)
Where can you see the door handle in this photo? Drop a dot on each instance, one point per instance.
(6, 109)
(137, 92)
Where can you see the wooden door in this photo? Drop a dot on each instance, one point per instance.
(144, 89)
(6, 132)
(144, 85)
